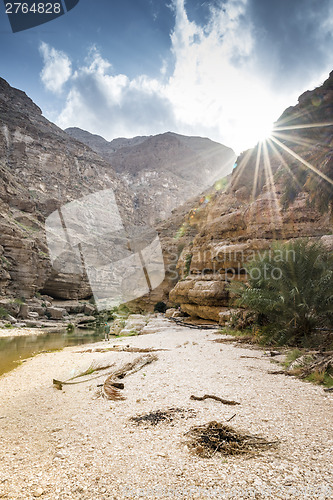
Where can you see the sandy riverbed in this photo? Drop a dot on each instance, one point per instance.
(21, 332)
(69, 445)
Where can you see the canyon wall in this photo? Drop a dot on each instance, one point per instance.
(280, 190)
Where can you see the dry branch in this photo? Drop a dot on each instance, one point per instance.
(217, 398)
(110, 389)
(122, 349)
(92, 369)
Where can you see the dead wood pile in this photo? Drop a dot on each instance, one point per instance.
(215, 437)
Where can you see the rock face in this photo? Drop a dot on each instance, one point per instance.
(279, 197)
(41, 169)
(163, 170)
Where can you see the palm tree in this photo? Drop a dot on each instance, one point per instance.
(291, 290)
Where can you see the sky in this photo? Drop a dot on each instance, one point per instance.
(223, 69)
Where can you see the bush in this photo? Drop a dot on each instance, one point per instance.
(290, 289)
(3, 312)
(160, 307)
(188, 260)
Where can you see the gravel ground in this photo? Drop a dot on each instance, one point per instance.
(71, 445)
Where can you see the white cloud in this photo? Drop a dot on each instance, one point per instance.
(214, 90)
(114, 105)
(57, 68)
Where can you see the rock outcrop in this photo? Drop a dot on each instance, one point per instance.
(280, 190)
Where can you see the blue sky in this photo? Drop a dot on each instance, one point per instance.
(225, 69)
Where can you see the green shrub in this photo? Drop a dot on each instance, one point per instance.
(188, 260)
(70, 328)
(290, 289)
(3, 312)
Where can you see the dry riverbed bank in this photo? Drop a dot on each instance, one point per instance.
(71, 444)
(21, 332)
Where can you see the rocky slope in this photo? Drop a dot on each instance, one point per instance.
(42, 168)
(163, 170)
(273, 195)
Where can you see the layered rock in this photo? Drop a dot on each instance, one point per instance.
(41, 169)
(259, 206)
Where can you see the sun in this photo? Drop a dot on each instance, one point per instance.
(251, 132)
(264, 131)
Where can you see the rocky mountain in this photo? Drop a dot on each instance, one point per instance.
(164, 170)
(281, 189)
(41, 169)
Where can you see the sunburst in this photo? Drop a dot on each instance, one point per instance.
(283, 142)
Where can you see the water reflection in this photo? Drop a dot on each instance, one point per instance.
(15, 349)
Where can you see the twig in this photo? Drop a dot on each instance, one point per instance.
(217, 398)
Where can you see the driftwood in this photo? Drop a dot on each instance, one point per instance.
(122, 349)
(280, 372)
(110, 389)
(323, 363)
(59, 383)
(217, 398)
(198, 327)
(246, 339)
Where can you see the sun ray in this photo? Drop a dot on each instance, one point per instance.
(256, 172)
(242, 166)
(285, 164)
(303, 126)
(296, 115)
(301, 160)
(275, 207)
(301, 141)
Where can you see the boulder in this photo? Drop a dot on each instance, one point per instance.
(24, 311)
(205, 312)
(56, 313)
(89, 309)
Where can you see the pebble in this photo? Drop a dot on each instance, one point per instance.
(38, 492)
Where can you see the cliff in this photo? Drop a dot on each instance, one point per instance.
(281, 189)
(42, 168)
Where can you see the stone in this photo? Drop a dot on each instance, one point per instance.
(40, 310)
(24, 311)
(38, 492)
(205, 312)
(225, 316)
(56, 312)
(33, 315)
(170, 312)
(85, 319)
(89, 309)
